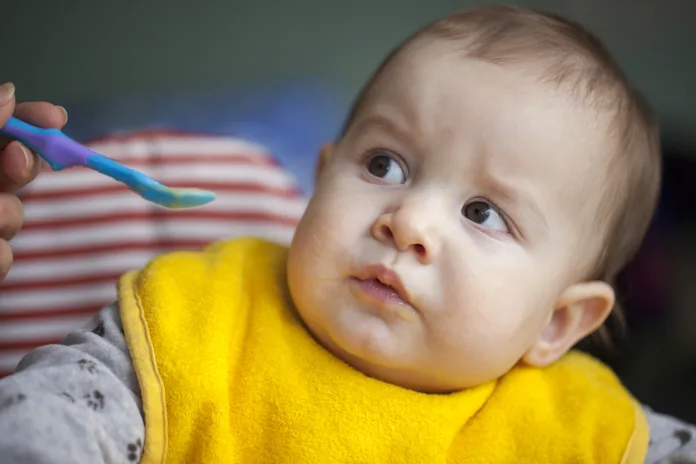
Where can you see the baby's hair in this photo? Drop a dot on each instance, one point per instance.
(565, 54)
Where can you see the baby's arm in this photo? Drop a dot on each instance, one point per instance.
(671, 440)
(78, 402)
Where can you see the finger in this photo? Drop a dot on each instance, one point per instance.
(42, 114)
(7, 102)
(11, 216)
(18, 167)
(6, 257)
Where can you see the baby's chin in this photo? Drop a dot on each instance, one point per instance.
(362, 340)
(371, 346)
(377, 355)
(373, 342)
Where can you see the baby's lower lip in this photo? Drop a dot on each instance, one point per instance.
(383, 298)
(379, 291)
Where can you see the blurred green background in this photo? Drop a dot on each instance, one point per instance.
(73, 50)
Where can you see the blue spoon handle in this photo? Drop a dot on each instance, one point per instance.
(60, 152)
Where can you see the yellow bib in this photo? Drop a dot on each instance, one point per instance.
(229, 374)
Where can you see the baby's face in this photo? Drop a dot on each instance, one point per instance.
(448, 222)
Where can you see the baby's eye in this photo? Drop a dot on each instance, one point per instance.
(386, 167)
(485, 214)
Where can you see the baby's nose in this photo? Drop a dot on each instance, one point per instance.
(404, 235)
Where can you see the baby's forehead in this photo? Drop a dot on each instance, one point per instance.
(434, 92)
(428, 76)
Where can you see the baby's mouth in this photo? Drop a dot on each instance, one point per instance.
(379, 284)
(374, 287)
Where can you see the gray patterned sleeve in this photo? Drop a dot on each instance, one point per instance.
(671, 440)
(77, 402)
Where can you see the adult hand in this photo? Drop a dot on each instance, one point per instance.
(18, 165)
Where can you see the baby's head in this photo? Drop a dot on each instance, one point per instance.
(494, 176)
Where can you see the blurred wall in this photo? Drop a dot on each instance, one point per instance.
(74, 50)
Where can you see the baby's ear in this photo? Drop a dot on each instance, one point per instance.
(325, 155)
(580, 310)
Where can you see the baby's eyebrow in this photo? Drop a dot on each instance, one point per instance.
(384, 123)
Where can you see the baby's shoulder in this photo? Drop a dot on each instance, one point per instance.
(238, 256)
(576, 402)
(225, 271)
(235, 249)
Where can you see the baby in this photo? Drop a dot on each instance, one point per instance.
(493, 177)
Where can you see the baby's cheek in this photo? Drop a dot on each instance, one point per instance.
(486, 311)
(325, 236)
(318, 223)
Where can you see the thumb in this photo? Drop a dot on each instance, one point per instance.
(7, 102)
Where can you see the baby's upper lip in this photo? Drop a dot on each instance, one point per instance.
(386, 276)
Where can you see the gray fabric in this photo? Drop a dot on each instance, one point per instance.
(77, 402)
(671, 441)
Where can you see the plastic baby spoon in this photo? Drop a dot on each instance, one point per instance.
(60, 152)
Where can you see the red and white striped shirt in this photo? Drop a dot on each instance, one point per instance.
(83, 230)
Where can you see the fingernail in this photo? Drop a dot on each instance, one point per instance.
(28, 157)
(7, 91)
(65, 114)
